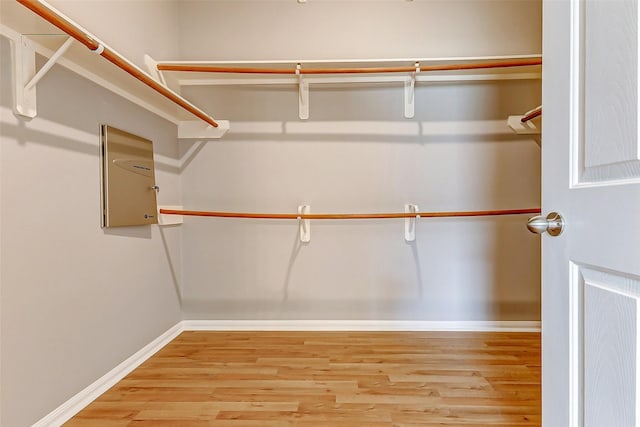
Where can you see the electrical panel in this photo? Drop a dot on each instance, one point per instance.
(128, 179)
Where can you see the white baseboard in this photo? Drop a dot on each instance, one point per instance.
(74, 405)
(360, 325)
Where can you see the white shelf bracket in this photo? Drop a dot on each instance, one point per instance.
(25, 76)
(164, 219)
(49, 64)
(410, 223)
(410, 93)
(24, 68)
(152, 67)
(197, 129)
(526, 128)
(304, 224)
(303, 95)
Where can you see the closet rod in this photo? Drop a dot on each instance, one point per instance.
(404, 69)
(351, 216)
(56, 18)
(532, 114)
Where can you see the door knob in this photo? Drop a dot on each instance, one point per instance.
(552, 224)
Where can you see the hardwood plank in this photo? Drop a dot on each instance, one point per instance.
(373, 379)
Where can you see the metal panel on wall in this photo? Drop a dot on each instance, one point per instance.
(128, 179)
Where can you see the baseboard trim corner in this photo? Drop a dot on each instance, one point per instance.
(71, 407)
(360, 325)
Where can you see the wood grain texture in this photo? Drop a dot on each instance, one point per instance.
(330, 379)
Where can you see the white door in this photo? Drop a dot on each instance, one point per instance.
(591, 175)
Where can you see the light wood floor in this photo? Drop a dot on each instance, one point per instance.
(329, 379)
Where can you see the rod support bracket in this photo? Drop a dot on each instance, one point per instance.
(25, 77)
(410, 223)
(522, 128)
(304, 224)
(24, 69)
(303, 95)
(410, 93)
(98, 50)
(152, 68)
(197, 129)
(164, 219)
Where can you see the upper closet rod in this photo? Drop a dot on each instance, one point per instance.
(351, 216)
(536, 112)
(352, 70)
(74, 30)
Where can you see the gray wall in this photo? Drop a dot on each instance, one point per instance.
(457, 269)
(76, 299)
(347, 29)
(357, 153)
(133, 28)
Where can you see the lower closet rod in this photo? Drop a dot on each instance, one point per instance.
(351, 216)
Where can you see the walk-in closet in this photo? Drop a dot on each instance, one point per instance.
(296, 212)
